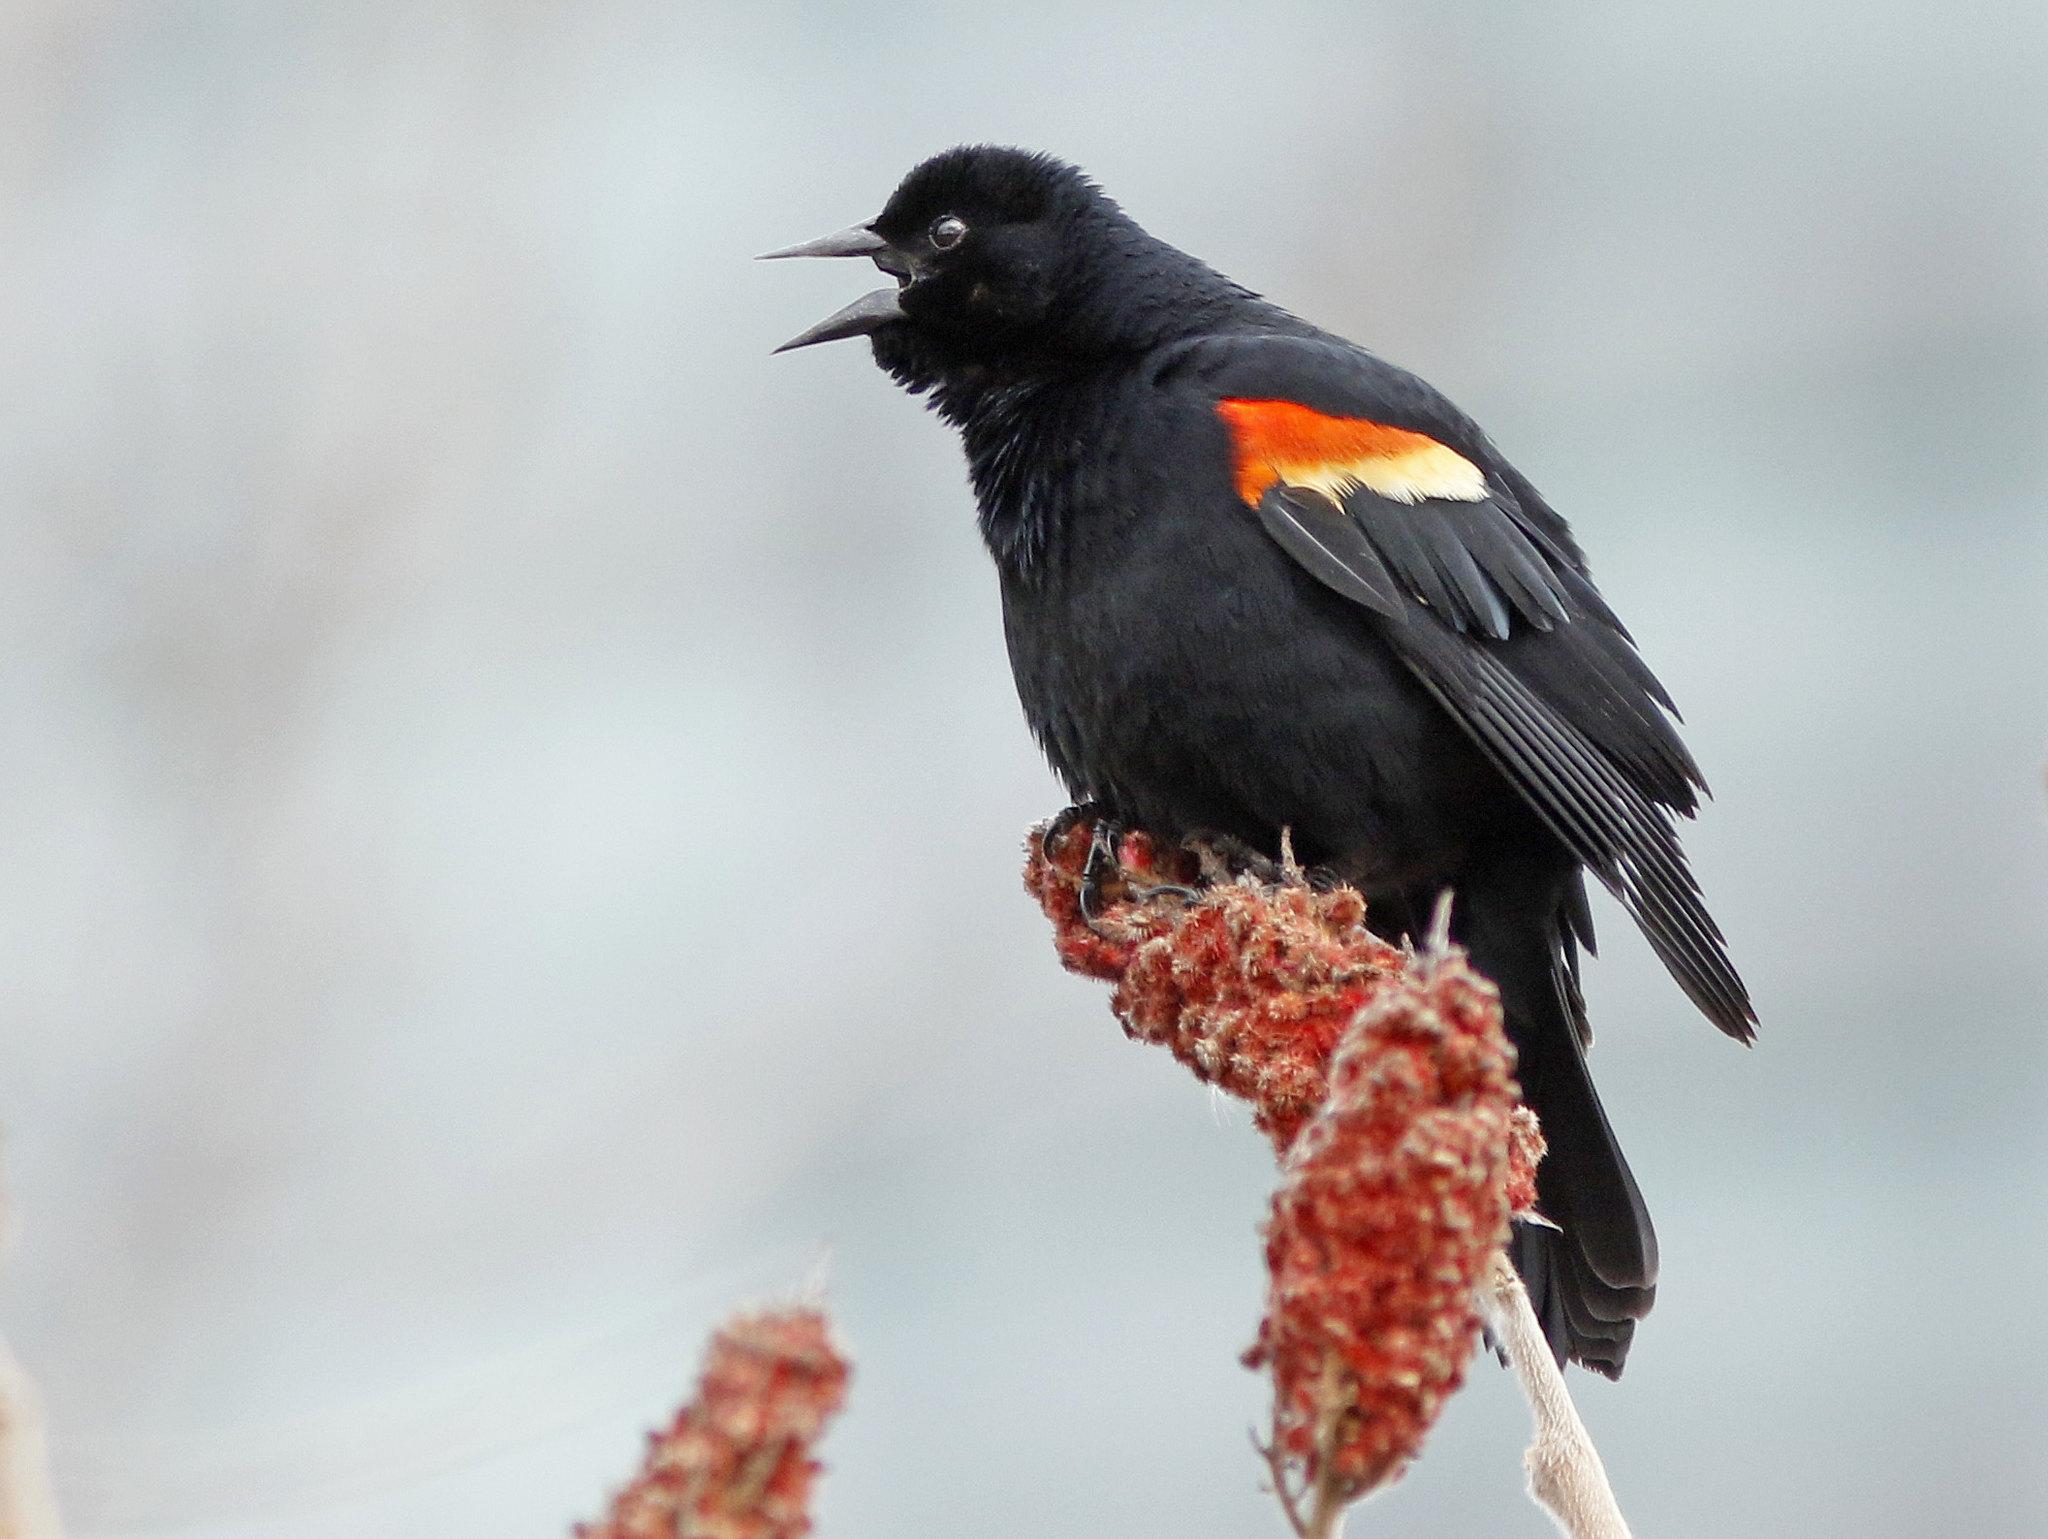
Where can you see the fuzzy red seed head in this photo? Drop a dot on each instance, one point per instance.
(1385, 1081)
(1392, 1203)
(737, 1463)
(1525, 1153)
(1250, 985)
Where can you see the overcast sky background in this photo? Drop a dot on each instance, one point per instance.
(510, 804)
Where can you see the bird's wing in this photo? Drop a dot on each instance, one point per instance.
(1389, 495)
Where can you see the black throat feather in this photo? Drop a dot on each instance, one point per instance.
(1028, 409)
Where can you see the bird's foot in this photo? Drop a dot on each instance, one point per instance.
(1102, 871)
(1105, 879)
(1067, 820)
(1115, 869)
(1225, 858)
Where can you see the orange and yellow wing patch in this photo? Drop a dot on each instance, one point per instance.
(1275, 441)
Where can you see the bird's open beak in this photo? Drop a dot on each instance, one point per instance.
(870, 312)
(857, 240)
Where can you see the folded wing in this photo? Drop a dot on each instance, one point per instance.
(1387, 495)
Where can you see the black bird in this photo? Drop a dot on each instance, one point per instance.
(1255, 578)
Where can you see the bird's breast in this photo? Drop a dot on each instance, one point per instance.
(1177, 666)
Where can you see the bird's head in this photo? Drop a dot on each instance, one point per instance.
(1005, 257)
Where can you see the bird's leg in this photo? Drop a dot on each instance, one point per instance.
(1225, 857)
(1102, 866)
(1105, 868)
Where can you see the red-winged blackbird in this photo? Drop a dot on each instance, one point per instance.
(1255, 578)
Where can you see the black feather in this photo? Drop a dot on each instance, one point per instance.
(1606, 822)
(1395, 530)
(1315, 531)
(1506, 556)
(1476, 605)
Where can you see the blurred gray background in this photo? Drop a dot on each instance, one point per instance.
(511, 798)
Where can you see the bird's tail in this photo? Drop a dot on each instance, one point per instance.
(1594, 1274)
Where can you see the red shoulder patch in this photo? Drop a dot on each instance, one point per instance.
(1285, 441)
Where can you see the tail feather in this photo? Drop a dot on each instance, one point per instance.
(1594, 1275)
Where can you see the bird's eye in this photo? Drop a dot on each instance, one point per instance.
(948, 230)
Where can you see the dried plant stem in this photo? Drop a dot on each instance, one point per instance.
(28, 1506)
(1566, 1478)
(1326, 1517)
(1326, 1497)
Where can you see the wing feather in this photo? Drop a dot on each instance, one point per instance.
(1479, 604)
(1469, 561)
(1315, 532)
(1608, 823)
(1483, 594)
(1507, 557)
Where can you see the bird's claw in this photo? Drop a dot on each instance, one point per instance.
(1101, 869)
(1145, 894)
(1104, 879)
(1065, 821)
